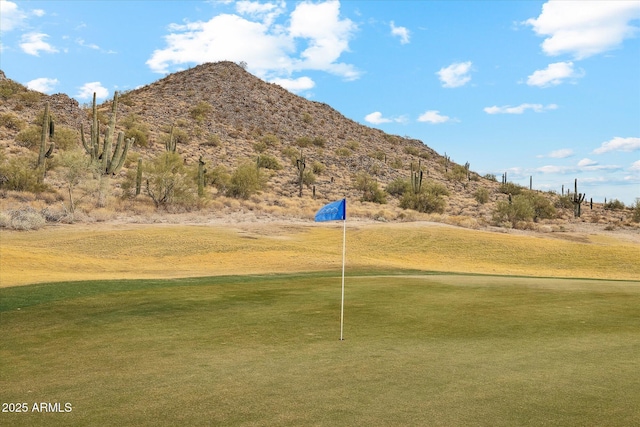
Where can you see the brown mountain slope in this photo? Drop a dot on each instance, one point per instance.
(227, 116)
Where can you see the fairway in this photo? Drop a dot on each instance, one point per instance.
(419, 349)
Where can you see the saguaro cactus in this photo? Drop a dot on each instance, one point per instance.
(46, 133)
(301, 165)
(416, 178)
(170, 145)
(201, 172)
(109, 162)
(577, 200)
(139, 177)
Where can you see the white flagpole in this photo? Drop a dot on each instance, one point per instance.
(344, 250)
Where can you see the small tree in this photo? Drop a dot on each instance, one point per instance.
(167, 181)
(371, 192)
(75, 169)
(245, 181)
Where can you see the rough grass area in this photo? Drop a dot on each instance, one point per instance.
(264, 351)
(171, 251)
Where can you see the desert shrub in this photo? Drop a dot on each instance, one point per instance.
(65, 138)
(371, 191)
(352, 145)
(564, 202)
(269, 162)
(542, 207)
(260, 147)
(344, 152)
(511, 188)
(140, 137)
(378, 155)
(520, 209)
(396, 163)
(457, 173)
(303, 142)
(413, 151)
(201, 111)
(8, 88)
(29, 137)
(425, 155)
(168, 182)
(245, 181)
(491, 177)
(308, 178)
(19, 174)
(291, 154)
(614, 205)
(136, 129)
(26, 219)
(212, 140)
(318, 168)
(306, 117)
(398, 187)
(430, 199)
(11, 121)
(482, 195)
(271, 140)
(220, 178)
(30, 98)
(319, 141)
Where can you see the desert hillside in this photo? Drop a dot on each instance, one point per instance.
(219, 116)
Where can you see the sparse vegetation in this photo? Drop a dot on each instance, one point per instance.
(614, 205)
(481, 195)
(430, 199)
(201, 111)
(371, 191)
(167, 181)
(245, 181)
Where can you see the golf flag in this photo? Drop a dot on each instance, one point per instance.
(336, 211)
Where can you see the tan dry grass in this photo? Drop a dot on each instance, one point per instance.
(111, 251)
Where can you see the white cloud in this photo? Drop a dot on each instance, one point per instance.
(455, 75)
(507, 109)
(11, 17)
(376, 118)
(619, 144)
(87, 90)
(328, 37)
(635, 166)
(552, 169)
(270, 50)
(585, 28)
(34, 43)
(554, 74)
(434, 117)
(266, 12)
(43, 84)
(38, 12)
(587, 162)
(82, 43)
(563, 153)
(295, 85)
(401, 32)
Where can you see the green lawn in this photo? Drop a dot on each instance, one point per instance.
(419, 349)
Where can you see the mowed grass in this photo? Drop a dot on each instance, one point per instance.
(130, 251)
(419, 349)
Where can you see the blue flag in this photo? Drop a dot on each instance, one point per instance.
(336, 211)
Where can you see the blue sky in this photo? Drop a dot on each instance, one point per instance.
(533, 88)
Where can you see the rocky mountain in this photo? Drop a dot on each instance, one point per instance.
(226, 116)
